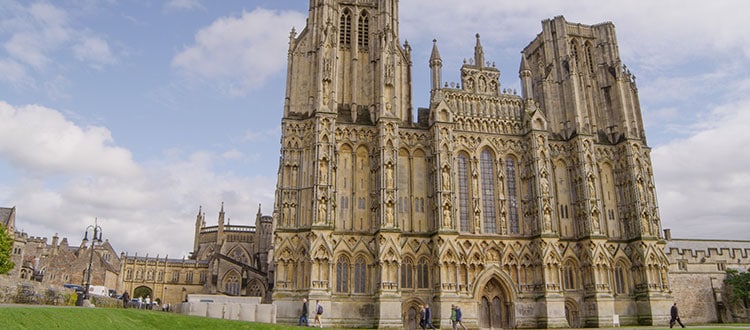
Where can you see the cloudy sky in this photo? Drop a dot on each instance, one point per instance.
(139, 112)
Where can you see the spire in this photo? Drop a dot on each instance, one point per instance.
(435, 57)
(436, 66)
(259, 212)
(478, 53)
(221, 215)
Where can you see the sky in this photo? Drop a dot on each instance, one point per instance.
(135, 114)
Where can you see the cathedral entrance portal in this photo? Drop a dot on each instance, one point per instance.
(410, 314)
(572, 314)
(495, 310)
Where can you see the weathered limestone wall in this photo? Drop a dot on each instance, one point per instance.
(229, 308)
(694, 297)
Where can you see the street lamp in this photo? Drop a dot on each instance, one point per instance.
(97, 231)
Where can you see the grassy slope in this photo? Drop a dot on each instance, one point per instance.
(104, 318)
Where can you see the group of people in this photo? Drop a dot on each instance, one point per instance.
(303, 319)
(425, 317)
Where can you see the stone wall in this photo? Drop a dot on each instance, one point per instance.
(229, 308)
(18, 291)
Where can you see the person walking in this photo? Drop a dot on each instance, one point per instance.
(303, 316)
(459, 319)
(125, 299)
(675, 314)
(453, 317)
(421, 317)
(318, 314)
(428, 317)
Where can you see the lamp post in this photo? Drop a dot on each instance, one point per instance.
(97, 231)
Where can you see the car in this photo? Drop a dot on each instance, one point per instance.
(75, 287)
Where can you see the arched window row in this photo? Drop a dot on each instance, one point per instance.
(415, 275)
(351, 277)
(363, 29)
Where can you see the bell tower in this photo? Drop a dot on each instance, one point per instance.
(348, 61)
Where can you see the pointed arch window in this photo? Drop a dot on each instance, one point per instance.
(620, 278)
(463, 192)
(232, 284)
(589, 58)
(423, 274)
(363, 32)
(360, 276)
(342, 275)
(510, 173)
(406, 274)
(345, 28)
(569, 282)
(486, 165)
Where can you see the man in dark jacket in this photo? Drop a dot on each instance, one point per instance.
(427, 317)
(303, 316)
(675, 316)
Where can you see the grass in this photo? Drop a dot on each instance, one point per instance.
(78, 318)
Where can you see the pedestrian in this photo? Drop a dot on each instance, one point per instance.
(318, 314)
(303, 316)
(675, 314)
(421, 317)
(453, 317)
(147, 302)
(125, 299)
(428, 317)
(459, 319)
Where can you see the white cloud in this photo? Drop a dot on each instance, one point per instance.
(240, 53)
(41, 139)
(14, 73)
(96, 179)
(95, 51)
(46, 29)
(702, 181)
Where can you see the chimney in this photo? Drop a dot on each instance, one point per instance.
(668, 234)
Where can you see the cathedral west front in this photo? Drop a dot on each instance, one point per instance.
(530, 210)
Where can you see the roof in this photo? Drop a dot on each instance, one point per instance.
(5, 215)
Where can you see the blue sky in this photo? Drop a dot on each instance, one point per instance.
(139, 112)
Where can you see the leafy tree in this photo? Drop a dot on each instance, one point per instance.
(6, 247)
(738, 287)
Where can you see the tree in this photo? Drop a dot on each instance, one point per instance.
(738, 287)
(6, 247)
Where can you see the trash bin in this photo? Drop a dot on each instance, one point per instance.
(79, 298)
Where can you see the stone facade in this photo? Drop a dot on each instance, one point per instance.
(531, 210)
(57, 263)
(226, 259)
(697, 270)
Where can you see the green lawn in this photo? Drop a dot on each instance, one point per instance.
(79, 318)
(20, 317)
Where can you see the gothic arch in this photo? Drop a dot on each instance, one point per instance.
(231, 283)
(410, 313)
(495, 297)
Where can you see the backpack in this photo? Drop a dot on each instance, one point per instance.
(320, 309)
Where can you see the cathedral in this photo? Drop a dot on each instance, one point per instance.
(531, 210)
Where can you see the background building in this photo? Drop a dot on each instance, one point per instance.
(226, 259)
(531, 210)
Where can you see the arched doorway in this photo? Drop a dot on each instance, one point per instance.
(495, 310)
(142, 291)
(410, 315)
(572, 313)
